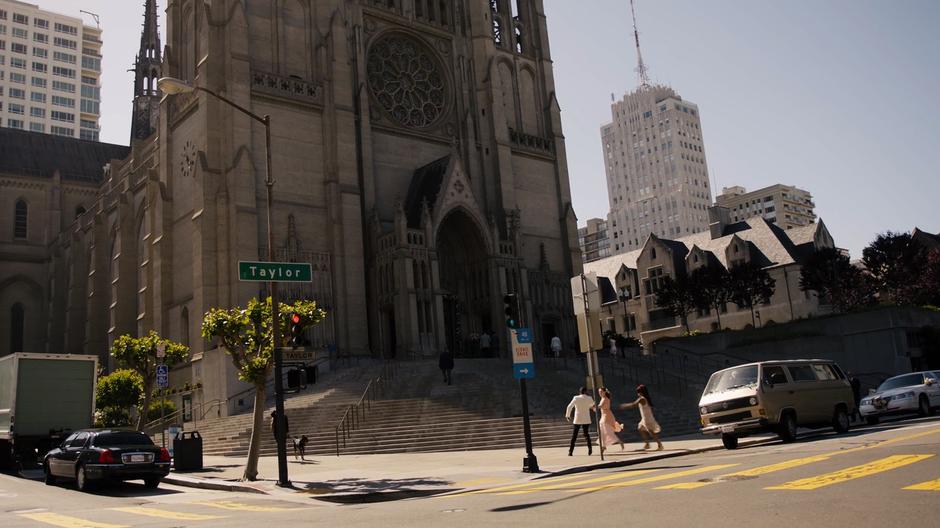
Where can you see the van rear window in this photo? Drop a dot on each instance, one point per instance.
(802, 373)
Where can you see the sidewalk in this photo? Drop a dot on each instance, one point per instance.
(373, 478)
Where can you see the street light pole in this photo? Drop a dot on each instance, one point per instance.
(170, 85)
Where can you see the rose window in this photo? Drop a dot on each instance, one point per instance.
(407, 81)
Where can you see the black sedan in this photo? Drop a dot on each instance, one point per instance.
(96, 455)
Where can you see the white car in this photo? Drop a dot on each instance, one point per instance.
(917, 392)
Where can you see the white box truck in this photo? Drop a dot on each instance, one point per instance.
(43, 397)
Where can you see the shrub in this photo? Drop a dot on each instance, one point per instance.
(158, 407)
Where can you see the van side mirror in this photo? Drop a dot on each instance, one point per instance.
(928, 381)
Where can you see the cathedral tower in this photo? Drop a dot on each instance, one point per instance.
(146, 73)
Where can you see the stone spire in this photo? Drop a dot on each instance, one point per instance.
(146, 72)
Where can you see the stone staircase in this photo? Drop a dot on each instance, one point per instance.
(418, 413)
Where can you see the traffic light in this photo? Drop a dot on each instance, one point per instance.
(511, 309)
(296, 330)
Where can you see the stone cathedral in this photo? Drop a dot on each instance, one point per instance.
(419, 163)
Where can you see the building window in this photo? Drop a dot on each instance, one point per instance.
(41, 23)
(40, 38)
(62, 131)
(37, 97)
(64, 57)
(40, 53)
(20, 19)
(37, 127)
(64, 87)
(15, 123)
(37, 112)
(17, 323)
(39, 82)
(20, 219)
(20, 33)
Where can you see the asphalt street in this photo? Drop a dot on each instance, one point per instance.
(887, 475)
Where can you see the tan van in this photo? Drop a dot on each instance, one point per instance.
(776, 396)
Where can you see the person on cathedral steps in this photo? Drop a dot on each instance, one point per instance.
(446, 364)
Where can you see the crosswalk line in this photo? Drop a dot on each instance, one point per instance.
(797, 462)
(240, 506)
(578, 483)
(657, 478)
(515, 486)
(66, 521)
(851, 473)
(164, 514)
(930, 485)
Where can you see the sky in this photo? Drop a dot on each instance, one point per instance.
(837, 97)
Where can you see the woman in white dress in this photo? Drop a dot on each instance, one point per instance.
(648, 426)
(608, 424)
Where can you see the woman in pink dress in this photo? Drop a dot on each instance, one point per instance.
(608, 425)
(648, 426)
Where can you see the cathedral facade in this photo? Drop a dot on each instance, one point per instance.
(419, 166)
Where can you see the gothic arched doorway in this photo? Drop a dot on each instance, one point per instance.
(464, 281)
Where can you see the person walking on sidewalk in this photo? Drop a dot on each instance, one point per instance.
(648, 426)
(581, 405)
(446, 364)
(556, 346)
(608, 426)
(485, 344)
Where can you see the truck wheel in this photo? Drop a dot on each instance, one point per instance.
(787, 430)
(81, 479)
(923, 408)
(840, 420)
(48, 477)
(730, 441)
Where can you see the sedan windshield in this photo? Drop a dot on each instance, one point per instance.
(732, 379)
(909, 380)
(122, 439)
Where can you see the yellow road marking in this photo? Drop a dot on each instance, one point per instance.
(930, 485)
(843, 475)
(164, 514)
(657, 478)
(65, 521)
(238, 506)
(576, 483)
(797, 462)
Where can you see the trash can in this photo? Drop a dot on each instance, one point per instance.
(187, 451)
(311, 374)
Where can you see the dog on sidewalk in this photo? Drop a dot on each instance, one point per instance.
(300, 446)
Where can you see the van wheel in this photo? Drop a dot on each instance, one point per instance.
(923, 408)
(872, 420)
(840, 420)
(787, 431)
(730, 441)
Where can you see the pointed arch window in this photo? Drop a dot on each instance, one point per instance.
(17, 323)
(20, 219)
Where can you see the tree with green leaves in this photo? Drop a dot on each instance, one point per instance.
(677, 297)
(751, 285)
(246, 334)
(116, 394)
(895, 262)
(140, 355)
(829, 273)
(712, 289)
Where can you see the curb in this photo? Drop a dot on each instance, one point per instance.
(217, 485)
(634, 461)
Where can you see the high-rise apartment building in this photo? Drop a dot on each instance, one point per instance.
(50, 71)
(657, 175)
(784, 205)
(593, 240)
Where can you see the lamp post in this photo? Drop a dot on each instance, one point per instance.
(624, 296)
(173, 86)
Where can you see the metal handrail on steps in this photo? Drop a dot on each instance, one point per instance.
(204, 407)
(355, 414)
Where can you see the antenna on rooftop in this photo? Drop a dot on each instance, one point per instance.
(641, 70)
(96, 17)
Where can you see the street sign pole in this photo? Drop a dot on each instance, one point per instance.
(523, 369)
(592, 365)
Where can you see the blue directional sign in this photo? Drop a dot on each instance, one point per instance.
(523, 370)
(524, 336)
(163, 376)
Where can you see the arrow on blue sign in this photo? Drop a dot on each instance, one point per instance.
(523, 370)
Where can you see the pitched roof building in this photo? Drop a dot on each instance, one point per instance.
(636, 276)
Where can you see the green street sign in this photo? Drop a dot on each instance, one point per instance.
(274, 271)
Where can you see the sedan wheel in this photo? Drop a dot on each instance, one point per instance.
(81, 479)
(923, 409)
(48, 477)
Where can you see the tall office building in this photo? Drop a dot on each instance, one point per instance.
(593, 240)
(50, 71)
(657, 176)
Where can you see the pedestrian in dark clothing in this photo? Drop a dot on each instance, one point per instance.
(856, 393)
(446, 364)
(274, 425)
